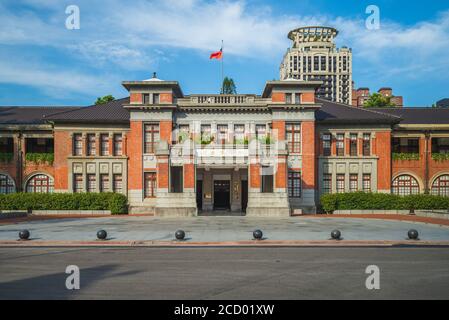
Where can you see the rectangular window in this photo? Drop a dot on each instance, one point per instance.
(104, 183)
(288, 98)
(77, 144)
(340, 144)
(367, 182)
(406, 145)
(184, 133)
(118, 144)
(155, 98)
(222, 133)
(267, 183)
(91, 183)
(353, 144)
(104, 141)
(118, 183)
(294, 184)
(340, 183)
(327, 183)
(327, 144)
(353, 182)
(293, 134)
(440, 145)
(146, 98)
(91, 145)
(176, 179)
(77, 183)
(366, 144)
(261, 132)
(150, 184)
(239, 134)
(206, 134)
(151, 137)
(297, 98)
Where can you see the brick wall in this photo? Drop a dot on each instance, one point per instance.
(309, 161)
(134, 147)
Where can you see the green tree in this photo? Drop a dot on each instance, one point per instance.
(376, 100)
(228, 86)
(105, 99)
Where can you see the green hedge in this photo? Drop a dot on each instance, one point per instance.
(116, 203)
(6, 157)
(440, 156)
(405, 156)
(40, 157)
(382, 201)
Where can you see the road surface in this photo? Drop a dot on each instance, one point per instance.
(224, 273)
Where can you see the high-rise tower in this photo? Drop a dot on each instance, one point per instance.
(314, 56)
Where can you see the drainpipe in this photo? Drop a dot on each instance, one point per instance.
(426, 164)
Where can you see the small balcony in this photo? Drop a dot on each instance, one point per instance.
(39, 151)
(223, 154)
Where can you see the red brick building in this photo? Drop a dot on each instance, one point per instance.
(360, 95)
(271, 154)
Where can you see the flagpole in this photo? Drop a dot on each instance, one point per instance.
(222, 73)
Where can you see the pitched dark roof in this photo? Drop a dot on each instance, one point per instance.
(29, 115)
(111, 112)
(418, 115)
(333, 112)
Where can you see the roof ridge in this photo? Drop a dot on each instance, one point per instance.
(359, 108)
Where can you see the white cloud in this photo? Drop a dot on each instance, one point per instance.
(55, 80)
(120, 35)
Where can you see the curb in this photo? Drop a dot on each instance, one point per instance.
(253, 243)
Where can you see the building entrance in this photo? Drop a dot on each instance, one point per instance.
(222, 195)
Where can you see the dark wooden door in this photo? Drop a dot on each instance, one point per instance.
(222, 193)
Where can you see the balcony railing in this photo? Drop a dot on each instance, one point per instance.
(222, 99)
(222, 154)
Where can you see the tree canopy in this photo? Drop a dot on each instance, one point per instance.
(105, 99)
(376, 100)
(228, 86)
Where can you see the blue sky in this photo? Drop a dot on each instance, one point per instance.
(43, 63)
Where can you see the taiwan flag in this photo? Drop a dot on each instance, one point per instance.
(217, 55)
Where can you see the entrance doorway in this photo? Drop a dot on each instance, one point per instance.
(222, 195)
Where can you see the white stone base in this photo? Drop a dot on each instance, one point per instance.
(176, 204)
(267, 205)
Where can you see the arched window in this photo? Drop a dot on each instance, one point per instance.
(440, 186)
(405, 185)
(40, 183)
(7, 184)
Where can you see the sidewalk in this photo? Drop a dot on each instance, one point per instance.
(131, 230)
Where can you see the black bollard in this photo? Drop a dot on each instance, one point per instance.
(180, 235)
(24, 235)
(102, 235)
(258, 234)
(336, 235)
(413, 234)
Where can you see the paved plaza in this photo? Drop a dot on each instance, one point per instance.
(221, 229)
